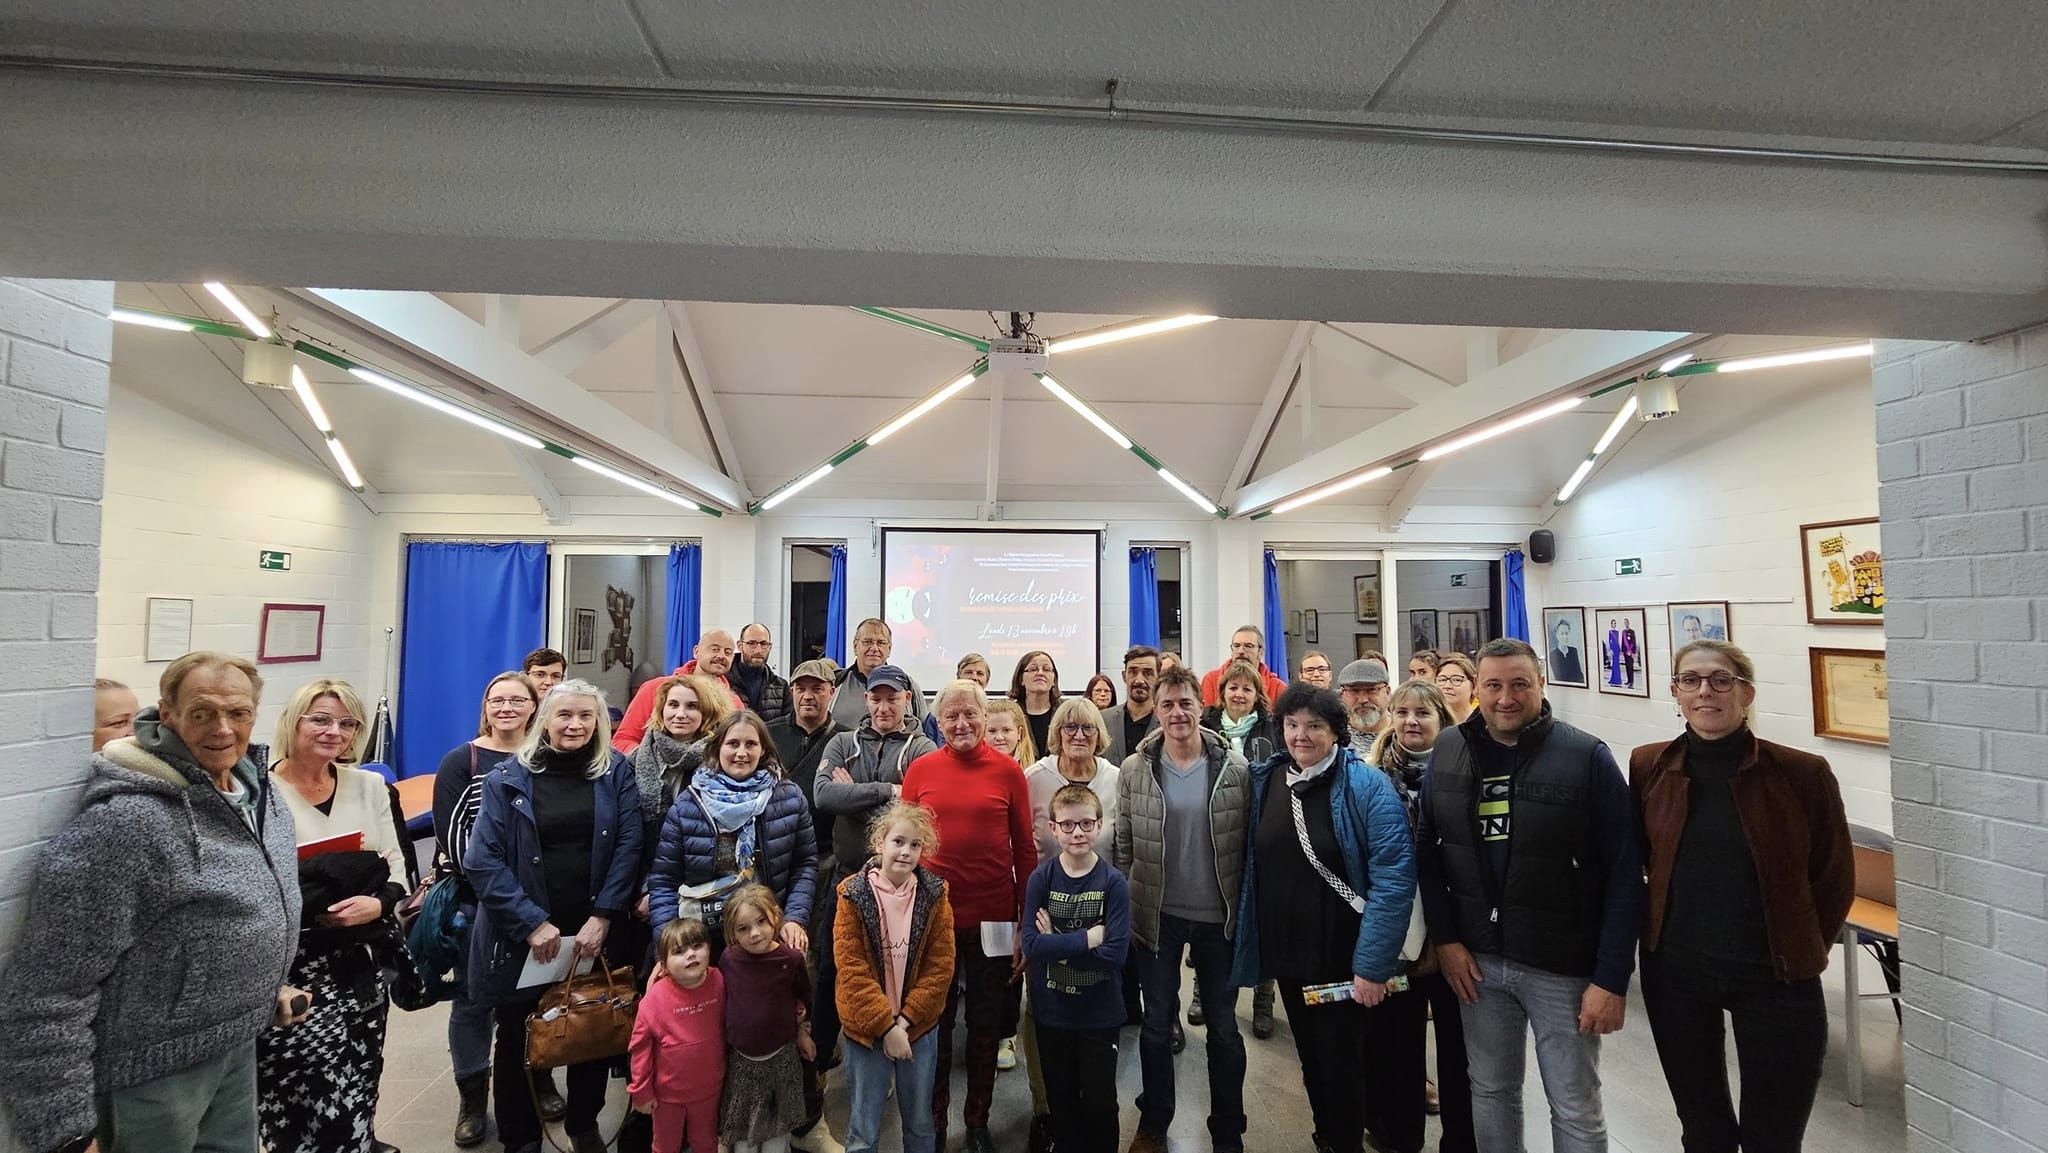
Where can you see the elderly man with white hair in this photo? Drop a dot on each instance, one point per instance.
(985, 855)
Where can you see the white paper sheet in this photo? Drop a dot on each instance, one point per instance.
(537, 972)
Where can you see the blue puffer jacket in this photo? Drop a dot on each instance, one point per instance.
(1379, 865)
(503, 865)
(785, 854)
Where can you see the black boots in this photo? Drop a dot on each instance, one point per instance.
(473, 1109)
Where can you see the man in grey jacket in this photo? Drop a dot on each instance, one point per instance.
(1182, 802)
(161, 927)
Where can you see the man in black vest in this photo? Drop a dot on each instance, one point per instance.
(1531, 878)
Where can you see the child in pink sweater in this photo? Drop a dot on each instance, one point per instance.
(678, 1047)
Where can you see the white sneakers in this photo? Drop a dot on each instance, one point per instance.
(1006, 1054)
(818, 1140)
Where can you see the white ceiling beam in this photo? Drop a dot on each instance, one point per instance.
(1402, 375)
(995, 443)
(1277, 389)
(572, 348)
(1552, 371)
(1482, 351)
(665, 353)
(697, 374)
(1396, 513)
(501, 316)
(1305, 400)
(423, 325)
(552, 504)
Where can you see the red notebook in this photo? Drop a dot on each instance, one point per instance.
(339, 843)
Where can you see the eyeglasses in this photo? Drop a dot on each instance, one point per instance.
(1720, 681)
(323, 721)
(1078, 730)
(1454, 679)
(506, 702)
(1082, 826)
(1307, 669)
(871, 643)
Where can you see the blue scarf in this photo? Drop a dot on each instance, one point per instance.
(733, 806)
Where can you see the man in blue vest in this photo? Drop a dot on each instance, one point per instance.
(1531, 878)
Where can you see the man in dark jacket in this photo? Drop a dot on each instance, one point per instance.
(1135, 720)
(754, 680)
(1530, 868)
(161, 926)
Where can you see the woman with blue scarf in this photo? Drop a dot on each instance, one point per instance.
(737, 821)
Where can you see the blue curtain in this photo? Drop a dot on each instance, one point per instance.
(1516, 609)
(835, 608)
(1145, 597)
(1276, 621)
(471, 611)
(685, 601)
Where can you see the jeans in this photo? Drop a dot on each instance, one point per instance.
(1781, 1035)
(205, 1108)
(1080, 1083)
(1211, 950)
(1330, 1041)
(869, 1074)
(982, 982)
(469, 1037)
(1514, 998)
(518, 1123)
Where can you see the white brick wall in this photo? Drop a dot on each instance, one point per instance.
(55, 341)
(1963, 442)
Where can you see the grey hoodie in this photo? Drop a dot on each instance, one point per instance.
(159, 928)
(875, 762)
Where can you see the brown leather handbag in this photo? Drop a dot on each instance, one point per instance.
(585, 1018)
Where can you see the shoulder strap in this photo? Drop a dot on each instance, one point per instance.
(1336, 883)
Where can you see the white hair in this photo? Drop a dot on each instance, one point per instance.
(962, 688)
(600, 737)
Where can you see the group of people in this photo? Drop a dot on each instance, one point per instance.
(805, 885)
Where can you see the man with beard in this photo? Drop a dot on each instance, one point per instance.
(753, 681)
(1130, 725)
(1365, 688)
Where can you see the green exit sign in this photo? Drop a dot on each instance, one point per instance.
(274, 561)
(1629, 566)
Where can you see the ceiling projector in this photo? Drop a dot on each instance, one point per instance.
(1025, 354)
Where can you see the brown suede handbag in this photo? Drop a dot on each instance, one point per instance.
(585, 1018)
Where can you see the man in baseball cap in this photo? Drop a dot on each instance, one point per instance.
(1365, 687)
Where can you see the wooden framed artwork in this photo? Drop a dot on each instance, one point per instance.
(1564, 631)
(1366, 590)
(1421, 630)
(1364, 645)
(583, 645)
(290, 634)
(1622, 636)
(1850, 702)
(1311, 626)
(1697, 621)
(1843, 570)
(1467, 630)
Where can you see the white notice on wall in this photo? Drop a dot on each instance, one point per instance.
(169, 629)
(291, 632)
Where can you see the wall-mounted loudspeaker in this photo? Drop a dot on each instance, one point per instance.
(1542, 546)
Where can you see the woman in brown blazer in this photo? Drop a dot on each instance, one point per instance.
(1751, 876)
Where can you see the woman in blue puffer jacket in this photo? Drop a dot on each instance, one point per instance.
(737, 821)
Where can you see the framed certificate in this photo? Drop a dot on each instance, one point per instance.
(290, 634)
(1849, 700)
(167, 635)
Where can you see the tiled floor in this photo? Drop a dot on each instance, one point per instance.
(418, 1107)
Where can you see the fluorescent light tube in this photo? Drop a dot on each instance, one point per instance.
(1484, 434)
(1614, 429)
(926, 405)
(304, 388)
(1332, 489)
(1579, 475)
(1126, 332)
(348, 467)
(1674, 362)
(1189, 491)
(148, 320)
(796, 487)
(226, 296)
(439, 405)
(1074, 402)
(630, 481)
(1781, 360)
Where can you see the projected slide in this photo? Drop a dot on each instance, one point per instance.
(950, 592)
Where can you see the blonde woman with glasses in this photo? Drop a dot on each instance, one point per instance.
(317, 1082)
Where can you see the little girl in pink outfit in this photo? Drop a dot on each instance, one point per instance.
(678, 1048)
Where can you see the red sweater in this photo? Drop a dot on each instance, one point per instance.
(679, 1042)
(986, 851)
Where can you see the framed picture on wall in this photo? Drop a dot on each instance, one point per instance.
(1697, 621)
(288, 634)
(1294, 622)
(1421, 629)
(1467, 629)
(1365, 645)
(1564, 632)
(1367, 591)
(1844, 572)
(1849, 699)
(583, 644)
(1311, 626)
(1622, 637)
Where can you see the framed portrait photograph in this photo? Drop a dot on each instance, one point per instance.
(1697, 621)
(1849, 698)
(1564, 642)
(1421, 629)
(1622, 638)
(1366, 590)
(583, 644)
(1844, 572)
(1467, 631)
(1311, 626)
